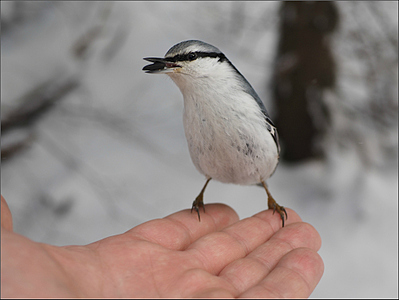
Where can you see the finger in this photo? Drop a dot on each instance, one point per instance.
(6, 218)
(179, 230)
(215, 251)
(295, 276)
(264, 259)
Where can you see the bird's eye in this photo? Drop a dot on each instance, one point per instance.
(192, 56)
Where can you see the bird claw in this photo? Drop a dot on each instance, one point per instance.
(281, 210)
(271, 203)
(196, 205)
(199, 201)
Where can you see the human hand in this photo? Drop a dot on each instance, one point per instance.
(172, 257)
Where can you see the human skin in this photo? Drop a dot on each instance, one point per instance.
(173, 257)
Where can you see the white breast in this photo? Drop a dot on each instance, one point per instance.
(226, 132)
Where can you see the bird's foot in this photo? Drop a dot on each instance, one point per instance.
(272, 204)
(198, 202)
(280, 209)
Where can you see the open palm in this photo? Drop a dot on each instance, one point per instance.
(173, 257)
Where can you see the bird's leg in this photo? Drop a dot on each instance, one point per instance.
(272, 204)
(199, 201)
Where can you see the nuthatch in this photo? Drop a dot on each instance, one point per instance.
(230, 135)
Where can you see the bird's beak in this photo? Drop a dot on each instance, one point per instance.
(159, 65)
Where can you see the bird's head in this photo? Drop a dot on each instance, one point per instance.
(193, 58)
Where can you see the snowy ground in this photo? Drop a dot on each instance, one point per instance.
(112, 154)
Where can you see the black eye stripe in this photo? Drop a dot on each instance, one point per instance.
(189, 56)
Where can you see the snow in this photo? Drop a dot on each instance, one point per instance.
(112, 154)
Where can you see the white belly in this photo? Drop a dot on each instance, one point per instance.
(230, 144)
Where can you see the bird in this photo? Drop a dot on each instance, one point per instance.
(230, 135)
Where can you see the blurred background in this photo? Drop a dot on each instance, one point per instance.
(91, 146)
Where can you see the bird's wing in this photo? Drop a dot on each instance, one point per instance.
(269, 123)
(273, 131)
